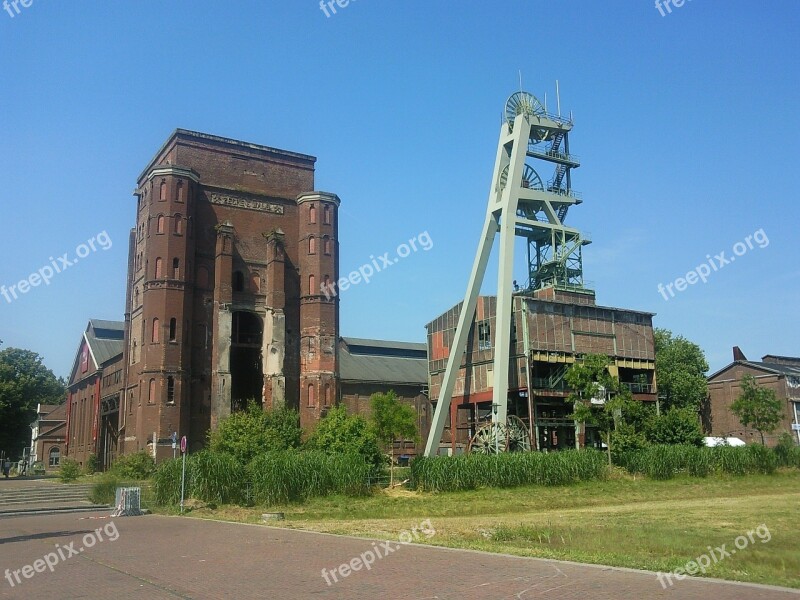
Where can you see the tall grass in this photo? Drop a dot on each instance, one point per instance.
(665, 462)
(292, 476)
(471, 471)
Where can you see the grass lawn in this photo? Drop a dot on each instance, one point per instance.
(638, 523)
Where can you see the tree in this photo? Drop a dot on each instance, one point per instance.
(676, 426)
(392, 420)
(680, 371)
(253, 431)
(340, 433)
(590, 379)
(757, 407)
(24, 384)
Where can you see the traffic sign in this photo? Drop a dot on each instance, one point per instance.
(183, 445)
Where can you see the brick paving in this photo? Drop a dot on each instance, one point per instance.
(158, 557)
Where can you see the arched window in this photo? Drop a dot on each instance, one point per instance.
(173, 329)
(178, 224)
(163, 192)
(156, 333)
(170, 390)
(159, 268)
(312, 245)
(328, 246)
(312, 213)
(133, 353)
(54, 456)
(151, 398)
(256, 282)
(176, 268)
(311, 399)
(238, 281)
(328, 213)
(180, 191)
(160, 224)
(327, 394)
(312, 285)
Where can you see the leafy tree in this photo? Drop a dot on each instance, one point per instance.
(676, 426)
(757, 407)
(250, 432)
(392, 420)
(590, 379)
(24, 383)
(680, 371)
(340, 433)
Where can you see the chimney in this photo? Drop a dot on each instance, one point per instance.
(738, 354)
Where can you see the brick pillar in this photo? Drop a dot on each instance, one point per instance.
(221, 343)
(274, 342)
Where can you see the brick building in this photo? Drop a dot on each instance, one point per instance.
(779, 373)
(230, 248)
(48, 436)
(94, 391)
(551, 327)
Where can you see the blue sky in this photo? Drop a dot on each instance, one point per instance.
(687, 127)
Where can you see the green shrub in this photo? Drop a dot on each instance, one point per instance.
(92, 464)
(251, 432)
(69, 470)
(761, 459)
(105, 488)
(292, 476)
(137, 466)
(471, 471)
(678, 426)
(340, 433)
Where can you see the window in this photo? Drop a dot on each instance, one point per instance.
(328, 246)
(327, 394)
(238, 281)
(328, 212)
(312, 214)
(163, 192)
(160, 224)
(256, 282)
(170, 390)
(311, 398)
(176, 268)
(54, 456)
(180, 191)
(159, 268)
(133, 353)
(312, 285)
(178, 225)
(156, 337)
(151, 398)
(484, 336)
(312, 245)
(173, 329)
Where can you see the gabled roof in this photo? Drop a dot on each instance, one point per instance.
(105, 341)
(382, 361)
(774, 368)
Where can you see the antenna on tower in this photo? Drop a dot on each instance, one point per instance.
(558, 99)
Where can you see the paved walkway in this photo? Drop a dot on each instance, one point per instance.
(156, 557)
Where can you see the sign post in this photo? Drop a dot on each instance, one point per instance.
(183, 470)
(174, 438)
